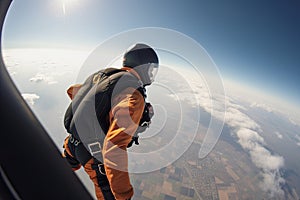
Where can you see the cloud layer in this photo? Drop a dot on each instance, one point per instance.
(262, 106)
(247, 132)
(248, 136)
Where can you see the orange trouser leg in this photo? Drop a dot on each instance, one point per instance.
(91, 167)
(93, 176)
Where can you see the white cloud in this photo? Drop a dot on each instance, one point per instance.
(30, 98)
(278, 135)
(12, 73)
(12, 69)
(238, 120)
(297, 137)
(294, 121)
(262, 106)
(39, 77)
(248, 138)
(264, 159)
(272, 183)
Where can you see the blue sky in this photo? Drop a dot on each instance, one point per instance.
(254, 42)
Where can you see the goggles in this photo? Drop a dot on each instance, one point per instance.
(152, 71)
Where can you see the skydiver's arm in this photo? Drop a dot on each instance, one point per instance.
(124, 119)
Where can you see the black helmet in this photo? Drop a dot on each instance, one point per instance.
(144, 60)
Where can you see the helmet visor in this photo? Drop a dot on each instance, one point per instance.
(152, 71)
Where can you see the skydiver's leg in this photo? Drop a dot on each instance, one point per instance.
(97, 174)
(78, 156)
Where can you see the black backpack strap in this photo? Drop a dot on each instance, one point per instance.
(102, 180)
(111, 71)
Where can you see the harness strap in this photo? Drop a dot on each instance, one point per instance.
(73, 140)
(98, 166)
(102, 180)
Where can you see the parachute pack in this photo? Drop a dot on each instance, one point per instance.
(100, 88)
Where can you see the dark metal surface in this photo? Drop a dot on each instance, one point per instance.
(31, 165)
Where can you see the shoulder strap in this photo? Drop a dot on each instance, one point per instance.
(111, 71)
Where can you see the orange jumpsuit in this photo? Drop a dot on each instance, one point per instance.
(126, 112)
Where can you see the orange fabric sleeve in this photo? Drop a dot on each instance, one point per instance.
(125, 115)
(73, 89)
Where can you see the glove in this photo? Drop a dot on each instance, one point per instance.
(146, 118)
(144, 123)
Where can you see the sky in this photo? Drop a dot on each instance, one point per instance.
(252, 42)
